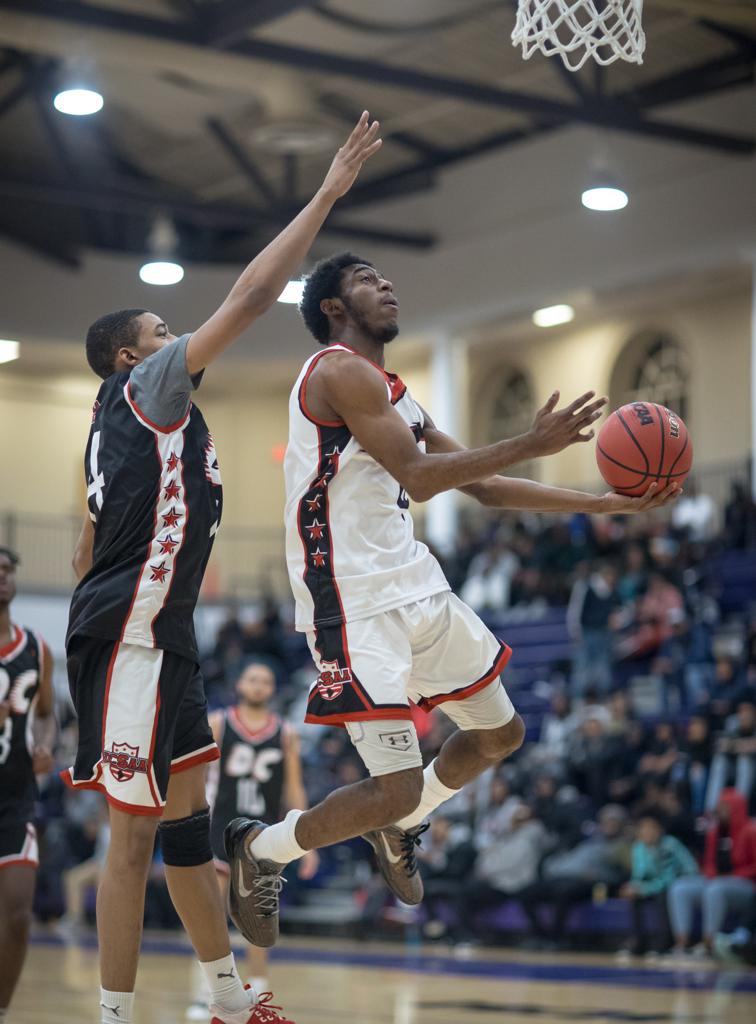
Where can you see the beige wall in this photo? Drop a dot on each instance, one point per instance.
(44, 422)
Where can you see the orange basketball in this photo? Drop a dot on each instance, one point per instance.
(642, 443)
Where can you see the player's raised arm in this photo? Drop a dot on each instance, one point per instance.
(265, 277)
(529, 496)
(356, 392)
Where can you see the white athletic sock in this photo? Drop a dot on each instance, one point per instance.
(434, 794)
(117, 1007)
(278, 842)
(259, 985)
(226, 989)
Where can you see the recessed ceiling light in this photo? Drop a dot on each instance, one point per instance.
(292, 293)
(78, 102)
(550, 316)
(8, 351)
(604, 198)
(161, 272)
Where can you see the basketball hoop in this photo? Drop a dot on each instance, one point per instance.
(606, 30)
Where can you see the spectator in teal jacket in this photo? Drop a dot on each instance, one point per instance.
(658, 859)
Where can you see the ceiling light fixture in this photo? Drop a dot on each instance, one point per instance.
(161, 272)
(551, 316)
(78, 102)
(162, 243)
(8, 351)
(292, 293)
(605, 198)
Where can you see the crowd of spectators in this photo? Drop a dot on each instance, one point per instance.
(605, 802)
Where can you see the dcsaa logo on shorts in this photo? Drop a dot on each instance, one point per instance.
(124, 761)
(330, 682)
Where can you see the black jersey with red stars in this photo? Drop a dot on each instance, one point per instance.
(20, 671)
(155, 498)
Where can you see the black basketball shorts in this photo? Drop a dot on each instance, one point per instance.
(142, 715)
(18, 844)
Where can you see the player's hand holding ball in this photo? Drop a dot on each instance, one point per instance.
(644, 453)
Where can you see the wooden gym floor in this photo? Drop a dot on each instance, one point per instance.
(337, 982)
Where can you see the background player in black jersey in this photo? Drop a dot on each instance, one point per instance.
(259, 773)
(154, 505)
(26, 712)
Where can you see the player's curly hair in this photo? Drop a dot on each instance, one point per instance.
(107, 335)
(325, 283)
(10, 555)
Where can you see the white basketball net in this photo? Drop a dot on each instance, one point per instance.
(606, 30)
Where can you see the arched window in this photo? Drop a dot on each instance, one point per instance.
(653, 367)
(511, 410)
(506, 409)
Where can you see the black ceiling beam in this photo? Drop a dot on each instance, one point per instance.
(604, 115)
(745, 42)
(241, 158)
(337, 106)
(389, 186)
(14, 95)
(726, 72)
(37, 236)
(233, 19)
(135, 198)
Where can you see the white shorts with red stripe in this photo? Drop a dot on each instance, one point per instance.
(142, 717)
(436, 652)
(18, 844)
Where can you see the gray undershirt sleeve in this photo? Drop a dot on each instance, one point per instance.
(161, 386)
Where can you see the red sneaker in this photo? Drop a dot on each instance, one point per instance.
(263, 1012)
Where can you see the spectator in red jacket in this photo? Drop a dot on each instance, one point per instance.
(728, 882)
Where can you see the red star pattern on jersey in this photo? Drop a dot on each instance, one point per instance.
(168, 546)
(319, 558)
(313, 504)
(172, 491)
(322, 482)
(333, 458)
(171, 463)
(316, 530)
(171, 518)
(159, 573)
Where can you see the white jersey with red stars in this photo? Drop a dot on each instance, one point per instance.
(351, 551)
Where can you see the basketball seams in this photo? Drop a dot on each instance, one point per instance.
(635, 441)
(629, 469)
(678, 457)
(663, 441)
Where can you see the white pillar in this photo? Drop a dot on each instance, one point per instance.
(447, 406)
(753, 377)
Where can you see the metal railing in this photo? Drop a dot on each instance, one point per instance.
(247, 562)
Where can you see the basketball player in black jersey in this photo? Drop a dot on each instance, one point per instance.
(154, 506)
(259, 773)
(27, 730)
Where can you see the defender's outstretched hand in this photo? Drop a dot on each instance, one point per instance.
(655, 497)
(359, 147)
(553, 431)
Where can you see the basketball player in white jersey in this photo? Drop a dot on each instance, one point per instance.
(381, 622)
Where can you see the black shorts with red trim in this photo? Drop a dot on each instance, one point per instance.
(18, 844)
(142, 715)
(433, 651)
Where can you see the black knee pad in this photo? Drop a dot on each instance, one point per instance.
(186, 841)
